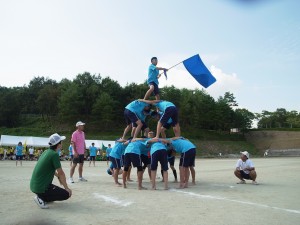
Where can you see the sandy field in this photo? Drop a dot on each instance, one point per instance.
(215, 199)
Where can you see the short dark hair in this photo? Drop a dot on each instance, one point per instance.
(153, 58)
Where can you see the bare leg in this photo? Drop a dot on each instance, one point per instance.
(193, 174)
(128, 127)
(80, 168)
(176, 130)
(140, 178)
(153, 181)
(115, 175)
(166, 179)
(128, 174)
(149, 92)
(72, 170)
(124, 175)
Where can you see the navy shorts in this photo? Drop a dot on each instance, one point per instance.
(122, 160)
(92, 158)
(170, 112)
(145, 160)
(159, 156)
(187, 159)
(130, 117)
(116, 163)
(79, 159)
(19, 157)
(133, 158)
(245, 175)
(156, 90)
(171, 160)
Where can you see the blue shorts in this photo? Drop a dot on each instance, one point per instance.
(159, 156)
(156, 90)
(130, 117)
(187, 158)
(133, 158)
(116, 163)
(92, 158)
(170, 112)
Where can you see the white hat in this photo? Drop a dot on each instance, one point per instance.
(245, 153)
(79, 123)
(55, 139)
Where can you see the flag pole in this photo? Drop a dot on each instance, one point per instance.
(158, 76)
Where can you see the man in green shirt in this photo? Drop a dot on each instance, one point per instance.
(46, 168)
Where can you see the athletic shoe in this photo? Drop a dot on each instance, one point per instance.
(241, 182)
(71, 180)
(40, 203)
(254, 182)
(82, 179)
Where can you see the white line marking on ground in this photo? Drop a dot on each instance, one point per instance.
(113, 200)
(237, 201)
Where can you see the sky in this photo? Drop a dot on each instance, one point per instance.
(252, 47)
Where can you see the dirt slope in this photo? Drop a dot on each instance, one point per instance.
(274, 140)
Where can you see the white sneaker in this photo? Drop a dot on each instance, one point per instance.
(82, 179)
(241, 182)
(71, 180)
(40, 203)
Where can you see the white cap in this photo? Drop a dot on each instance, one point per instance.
(79, 123)
(245, 153)
(55, 139)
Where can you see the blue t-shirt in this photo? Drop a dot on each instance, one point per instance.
(70, 150)
(162, 105)
(108, 150)
(136, 106)
(182, 145)
(155, 146)
(93, 151)
(19, 150)
(117, 150)
(135, 147)
(152, 74)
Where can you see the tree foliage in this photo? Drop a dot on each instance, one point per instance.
(101, 101)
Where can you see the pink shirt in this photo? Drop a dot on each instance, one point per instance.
(78, 138)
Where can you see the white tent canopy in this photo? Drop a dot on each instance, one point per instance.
(9, 140)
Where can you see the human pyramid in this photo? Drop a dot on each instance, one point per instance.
(142, 153)
(147, 151)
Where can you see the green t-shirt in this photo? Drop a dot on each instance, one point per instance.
(44, 171)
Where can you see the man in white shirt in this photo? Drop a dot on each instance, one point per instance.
(245, 169)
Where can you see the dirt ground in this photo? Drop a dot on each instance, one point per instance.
(215, 199)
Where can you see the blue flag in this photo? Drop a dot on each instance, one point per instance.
(165, 73)
(198, 70)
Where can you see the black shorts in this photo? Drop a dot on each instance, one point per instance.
(145, 160)
(156, 90)
(187, 158)
(133, 158)
(170, 112)
(92, 158)
(130, 117)
(79, 159)
(245, 175)
(159, 156)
